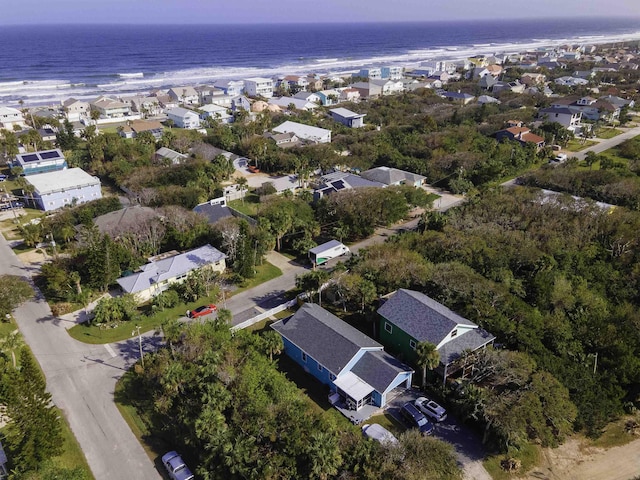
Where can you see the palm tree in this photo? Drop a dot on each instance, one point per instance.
(12, 341)
(428, 359)
(242, 184)
(272, 343)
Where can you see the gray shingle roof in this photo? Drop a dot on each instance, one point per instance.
(324, 337)
(421, 316)
(470, 340)
(214, 213)
(379, 369)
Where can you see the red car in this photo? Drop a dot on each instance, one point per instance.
(253, 169)
(202, 311)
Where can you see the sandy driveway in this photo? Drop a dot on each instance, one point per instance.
(572, 462)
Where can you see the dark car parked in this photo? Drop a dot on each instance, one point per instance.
(416, 419)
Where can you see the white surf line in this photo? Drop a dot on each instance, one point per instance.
(110, 350)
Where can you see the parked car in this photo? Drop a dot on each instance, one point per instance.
(202, 311)
(253, 169)
(560, 158)
(431, 409)
(379, 433)
(3, 177)
(416, 419)
(176, 467)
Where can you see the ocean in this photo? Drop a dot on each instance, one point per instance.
(46, 64)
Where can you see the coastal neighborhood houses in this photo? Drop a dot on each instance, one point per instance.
(441, 246)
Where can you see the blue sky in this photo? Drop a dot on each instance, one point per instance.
(285, 11)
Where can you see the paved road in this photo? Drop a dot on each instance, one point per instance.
(81, 379)
(609, 143)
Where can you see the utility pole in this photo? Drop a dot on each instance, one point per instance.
(139, 343)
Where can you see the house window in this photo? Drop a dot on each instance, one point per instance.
(387, 327)
(454, 333)
(304, 357)
(319, 367)
(412, 344)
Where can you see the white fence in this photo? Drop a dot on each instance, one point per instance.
(263, 315)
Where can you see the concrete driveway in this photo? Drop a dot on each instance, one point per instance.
(609, 143)
(81, 379)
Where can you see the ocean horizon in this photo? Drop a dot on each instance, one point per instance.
(44, 64)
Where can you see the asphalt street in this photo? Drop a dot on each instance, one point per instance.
(609, 143)
(81, 379)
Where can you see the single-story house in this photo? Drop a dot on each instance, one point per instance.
(520, 134)
(125, 220)
(347, 117)
(157, 276)
(352, 365)
(283, 140)
(164, 154)
(408, 317)
(41, 162)
(336, 181)
(136, 127)
(184, 118)
(215, 210)
(53, 190)
(393, 176)
(305, 132)
(458, 97)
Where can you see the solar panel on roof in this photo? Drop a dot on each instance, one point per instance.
(30, 158)
(338, 185)
(50, 154)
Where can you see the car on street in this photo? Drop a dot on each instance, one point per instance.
(3, 177)
(431, 409)
(176, 467)
(416, 419)
(202, 311)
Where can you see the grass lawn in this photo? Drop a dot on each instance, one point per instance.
(529, 457)
(264, 273)
(607, 133)
(389, 422)
(98, 335)
(9, 227)
(615, 434)
(263, 326)
(577, 145)
(72, 456)
(248, 206)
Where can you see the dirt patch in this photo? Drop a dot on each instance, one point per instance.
(575, 460)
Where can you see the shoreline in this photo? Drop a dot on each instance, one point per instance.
(136, 82)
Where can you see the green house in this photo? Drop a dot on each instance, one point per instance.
(408, 317)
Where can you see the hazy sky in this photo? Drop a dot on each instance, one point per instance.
(284, 11)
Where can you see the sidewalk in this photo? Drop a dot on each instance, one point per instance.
(80, 316)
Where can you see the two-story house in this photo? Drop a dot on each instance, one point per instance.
(408, 318)
(184, 118)
(259, 87)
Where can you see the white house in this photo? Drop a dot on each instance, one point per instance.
(10, 117)
(312, 97)
(285, 102)
(389, 87)
(217, 112)
(568, 117)
(157, 276)
(57, 189)
(259, 87)
(184, 118)
(75, 109)
(393, 176)
(305, 132)
(233, 88)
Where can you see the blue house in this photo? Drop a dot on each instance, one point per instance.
(41, 162)
(354, 366)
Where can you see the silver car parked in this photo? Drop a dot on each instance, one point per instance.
(431, 409)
